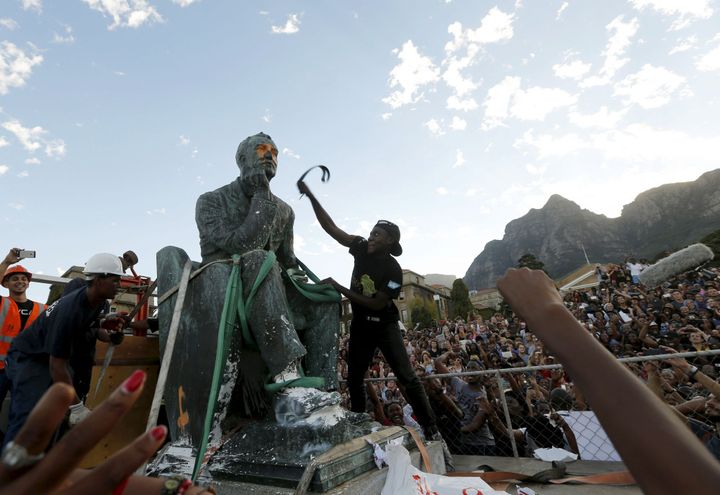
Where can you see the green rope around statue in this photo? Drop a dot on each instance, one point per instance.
(236, 307)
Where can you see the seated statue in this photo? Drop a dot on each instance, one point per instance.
(246, 218)
(289, 334)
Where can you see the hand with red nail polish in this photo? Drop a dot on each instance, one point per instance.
(56, 473)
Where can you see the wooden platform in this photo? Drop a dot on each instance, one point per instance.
(134, 353)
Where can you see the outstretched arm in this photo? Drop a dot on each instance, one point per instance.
(326, 222)
(657, 447)
(11, 258)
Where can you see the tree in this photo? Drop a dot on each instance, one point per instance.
(422, 311)
(712, 241)
(528, 260)
(460, 298)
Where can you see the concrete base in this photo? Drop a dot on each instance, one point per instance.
(368, 483)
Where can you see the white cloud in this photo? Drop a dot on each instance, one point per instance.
(4, 169)
(156, 211)
(459, 159)
(292, 25)
(32, 161)
(650, 87)
(633, 143)
(561, 10)
(185, 3)
(16, 206)
(126, 13)
(442, 191)
(35, 5)
(60, 270)
(412, 73)
(685, 11)
(67, 38)
(547, 145)
(16, 66)
(33, 139)
(710, 61)
(497, 101)
(267, 118)
(386, 116)
(453, 73)
(455, 103)
(641, 142)
(536, 103)
(183, 140)
(23, 174)
(3, 142)
(571, 69)
(290, 153)
(495, 27)
(621, 35)
(8, 23)
(684, 45)
(535, 170)
(602, 119)
(471, 192)
(458, 124)
(434, 127)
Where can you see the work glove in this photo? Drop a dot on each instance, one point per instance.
(78, 412)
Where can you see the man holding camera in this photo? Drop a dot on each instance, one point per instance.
(62, 341)
(17, 312)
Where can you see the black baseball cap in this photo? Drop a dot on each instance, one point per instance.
(394, 231)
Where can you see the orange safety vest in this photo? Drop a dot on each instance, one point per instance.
(10, 323)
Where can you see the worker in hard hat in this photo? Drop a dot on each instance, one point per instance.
(17, 312)
(62, 340)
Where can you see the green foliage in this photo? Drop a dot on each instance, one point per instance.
(528, 260)
(713, 242)
(422, 311)
(460, 299)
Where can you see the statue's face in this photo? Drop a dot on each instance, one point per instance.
(257, 154)
(266, 157)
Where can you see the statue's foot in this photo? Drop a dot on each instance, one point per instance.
(297, 404)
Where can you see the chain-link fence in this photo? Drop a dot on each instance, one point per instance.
(515, 411)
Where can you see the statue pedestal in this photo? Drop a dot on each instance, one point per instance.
(268, 455)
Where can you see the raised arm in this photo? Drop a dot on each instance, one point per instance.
(655, 445)
(324, 218)
(11, 258)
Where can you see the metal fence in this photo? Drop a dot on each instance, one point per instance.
(514, 411)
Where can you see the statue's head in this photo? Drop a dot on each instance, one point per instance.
(258, 151)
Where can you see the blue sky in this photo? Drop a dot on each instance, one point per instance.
(450, 118)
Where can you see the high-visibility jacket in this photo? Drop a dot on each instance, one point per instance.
(10, 323)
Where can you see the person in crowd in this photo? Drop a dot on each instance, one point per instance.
(61, 343)
(17, 312)
(657, 448)
(376, 281)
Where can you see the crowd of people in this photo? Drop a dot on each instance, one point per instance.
(545, 406)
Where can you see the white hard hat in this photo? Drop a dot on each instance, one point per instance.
(103, 264)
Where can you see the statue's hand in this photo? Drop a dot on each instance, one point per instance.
(256, 181)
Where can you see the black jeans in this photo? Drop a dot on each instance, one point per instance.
(365, 337)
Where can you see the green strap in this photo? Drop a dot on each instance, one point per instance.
(234, 307)
(315, 292)
(227, 323)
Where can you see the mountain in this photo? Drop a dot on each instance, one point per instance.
(664, 218)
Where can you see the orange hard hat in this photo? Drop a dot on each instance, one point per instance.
(16, 269)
